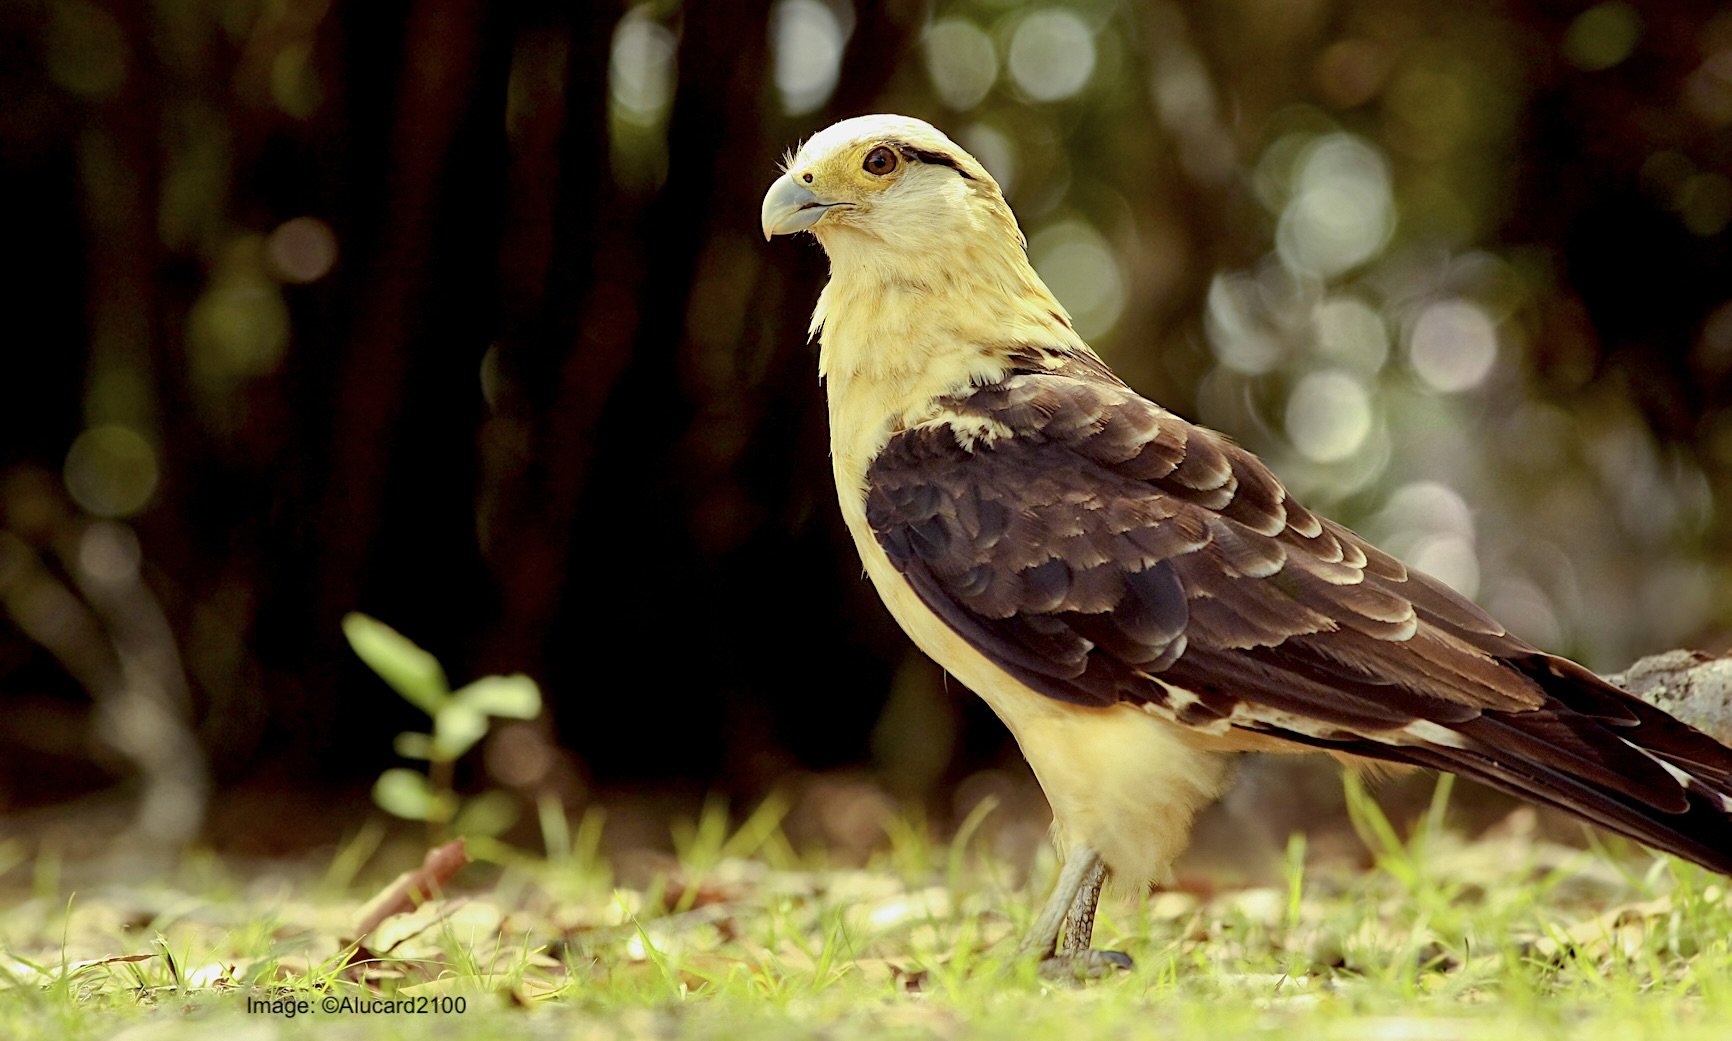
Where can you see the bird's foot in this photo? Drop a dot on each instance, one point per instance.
(1061, 933)
(1088, 964)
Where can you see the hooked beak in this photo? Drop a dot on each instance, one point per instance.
(790, 206)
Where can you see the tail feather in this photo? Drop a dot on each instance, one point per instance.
(1602, 754)
(1701, 833)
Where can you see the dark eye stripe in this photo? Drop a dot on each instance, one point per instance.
(921, 155)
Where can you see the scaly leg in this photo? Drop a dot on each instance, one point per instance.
(1079, 923)
(1070, 913)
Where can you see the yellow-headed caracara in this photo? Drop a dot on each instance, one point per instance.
(1137, 597)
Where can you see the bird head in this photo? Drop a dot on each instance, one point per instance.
(891, 179)
(930, 282)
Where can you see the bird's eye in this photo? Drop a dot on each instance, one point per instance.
(880, 161)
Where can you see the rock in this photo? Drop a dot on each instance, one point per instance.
(1694, 686)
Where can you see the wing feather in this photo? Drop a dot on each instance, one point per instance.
(1107, 551)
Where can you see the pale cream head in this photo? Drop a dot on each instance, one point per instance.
(894, 179)
(930, 284)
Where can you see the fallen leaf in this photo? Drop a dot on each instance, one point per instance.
(411, 889)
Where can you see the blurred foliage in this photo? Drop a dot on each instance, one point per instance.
(460, 719)
(456, 313)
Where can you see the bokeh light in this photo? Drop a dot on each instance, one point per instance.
(1525, 609)
(1452, 345)
(294, 81)
(1705, 203)
(1341, 211)
(239, 326)
(806, 39)
(111, 471)
(1429, 525)
(995, 150)
(108, 552)
(1187, 103)
(1708, 90)
(1448, 558)
(1328, 416)
(1350, 331)
(86, 49)
(1602, 36)
(1052, 54)
(961, 62)
(641, 68)
(1079, 267)
(303, 249)
(1234, 322)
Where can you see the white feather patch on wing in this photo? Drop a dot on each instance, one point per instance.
(1246, 716)
(1683, 778)
(1241, 718)
(970, 430)
(1428, 733)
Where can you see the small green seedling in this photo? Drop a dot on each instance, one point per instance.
(460, 720)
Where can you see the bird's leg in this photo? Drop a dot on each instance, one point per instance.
(1069, 915)
(1043, 936)
(1079, 922)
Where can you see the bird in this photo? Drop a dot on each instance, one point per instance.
(1138, 598)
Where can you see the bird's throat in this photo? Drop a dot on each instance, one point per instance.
(892, 346)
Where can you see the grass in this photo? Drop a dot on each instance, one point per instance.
(742, 936)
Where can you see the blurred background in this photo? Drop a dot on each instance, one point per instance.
(458, 314)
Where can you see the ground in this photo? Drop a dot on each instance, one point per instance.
(1508, 934)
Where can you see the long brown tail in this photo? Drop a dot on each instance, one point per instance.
(1606, 756)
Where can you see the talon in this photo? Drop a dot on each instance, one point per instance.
(1086, 965)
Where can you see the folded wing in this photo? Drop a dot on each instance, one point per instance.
(1102, 550)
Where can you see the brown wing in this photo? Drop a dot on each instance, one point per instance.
(1102, 550)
